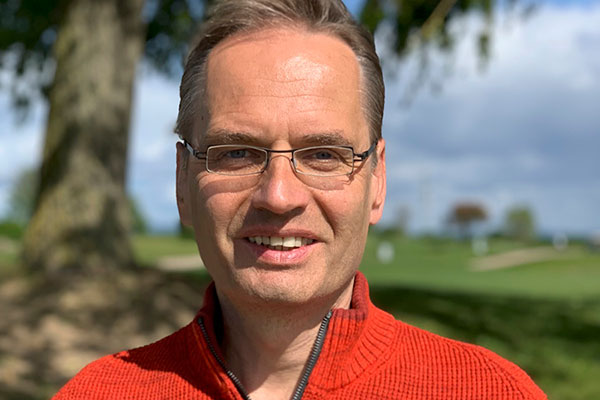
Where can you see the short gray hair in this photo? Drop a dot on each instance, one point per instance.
(229, 17)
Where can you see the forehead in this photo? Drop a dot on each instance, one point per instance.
(286, 53)
(297, 77)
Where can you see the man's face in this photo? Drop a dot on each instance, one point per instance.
(281, 89)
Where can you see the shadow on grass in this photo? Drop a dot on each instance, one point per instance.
(50, 330)
(497, 316)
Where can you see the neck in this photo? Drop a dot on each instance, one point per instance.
(267, 349)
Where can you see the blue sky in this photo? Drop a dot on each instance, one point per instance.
(525, 130)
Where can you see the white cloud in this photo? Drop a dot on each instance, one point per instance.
(156, 101)
(151, 175)
(526, 130)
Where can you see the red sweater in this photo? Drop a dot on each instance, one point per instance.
(366, 354)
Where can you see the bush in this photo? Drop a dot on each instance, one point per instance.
(11, 230)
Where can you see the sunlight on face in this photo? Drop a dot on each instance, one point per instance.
(273, 237)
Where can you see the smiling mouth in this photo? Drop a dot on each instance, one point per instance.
(280, 243)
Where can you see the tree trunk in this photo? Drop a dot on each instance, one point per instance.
(82, 222)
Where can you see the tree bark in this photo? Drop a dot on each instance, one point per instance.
(82, 222)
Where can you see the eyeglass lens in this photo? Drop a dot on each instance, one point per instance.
(246, 160)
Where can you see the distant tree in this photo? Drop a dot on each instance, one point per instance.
(464, 215)
(519, 223)
(401, 219)
(10, 229)
(185, 232)
(139, 225)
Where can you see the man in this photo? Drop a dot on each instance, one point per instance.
(280, 172)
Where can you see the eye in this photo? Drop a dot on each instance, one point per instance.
(237, 153)
(234, 153)
(323, 154)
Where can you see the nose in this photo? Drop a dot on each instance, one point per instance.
(279, 190)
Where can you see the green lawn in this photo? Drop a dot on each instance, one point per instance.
(445, 265)
(148, 249)
(7, 258)
(9, 250)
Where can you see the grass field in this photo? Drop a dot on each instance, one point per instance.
(8, 256)
(445, 265)
(544, 316)
(148, 249)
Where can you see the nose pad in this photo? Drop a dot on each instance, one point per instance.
(280, 155)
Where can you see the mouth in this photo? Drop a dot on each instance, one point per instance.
(280, 243)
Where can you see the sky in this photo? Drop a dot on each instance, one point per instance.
(524, 130)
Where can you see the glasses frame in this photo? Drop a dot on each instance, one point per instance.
(356, 157)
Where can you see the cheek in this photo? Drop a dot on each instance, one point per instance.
(211, 211)
(218, 201)
(348, 214)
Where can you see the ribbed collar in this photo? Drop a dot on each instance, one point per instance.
(356, 340)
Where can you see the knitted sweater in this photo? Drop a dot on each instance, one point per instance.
(366, 354)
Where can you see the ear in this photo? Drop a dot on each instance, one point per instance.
(378, 185)
(182, 188)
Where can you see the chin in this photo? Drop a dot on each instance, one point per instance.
(281, 287)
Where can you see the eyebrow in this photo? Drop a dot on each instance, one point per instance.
(224, 136)
(332, 138)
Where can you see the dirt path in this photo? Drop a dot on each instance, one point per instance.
(515, 258)
(8, 245)
(180, 263)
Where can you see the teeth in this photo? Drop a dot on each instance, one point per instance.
(279, 242)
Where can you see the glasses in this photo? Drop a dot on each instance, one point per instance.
(239, 160)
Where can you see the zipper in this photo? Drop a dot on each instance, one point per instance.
(312, 359)
(310, 364)
(230, 374)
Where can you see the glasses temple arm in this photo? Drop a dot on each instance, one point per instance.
(194, 152)
(363, 156)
